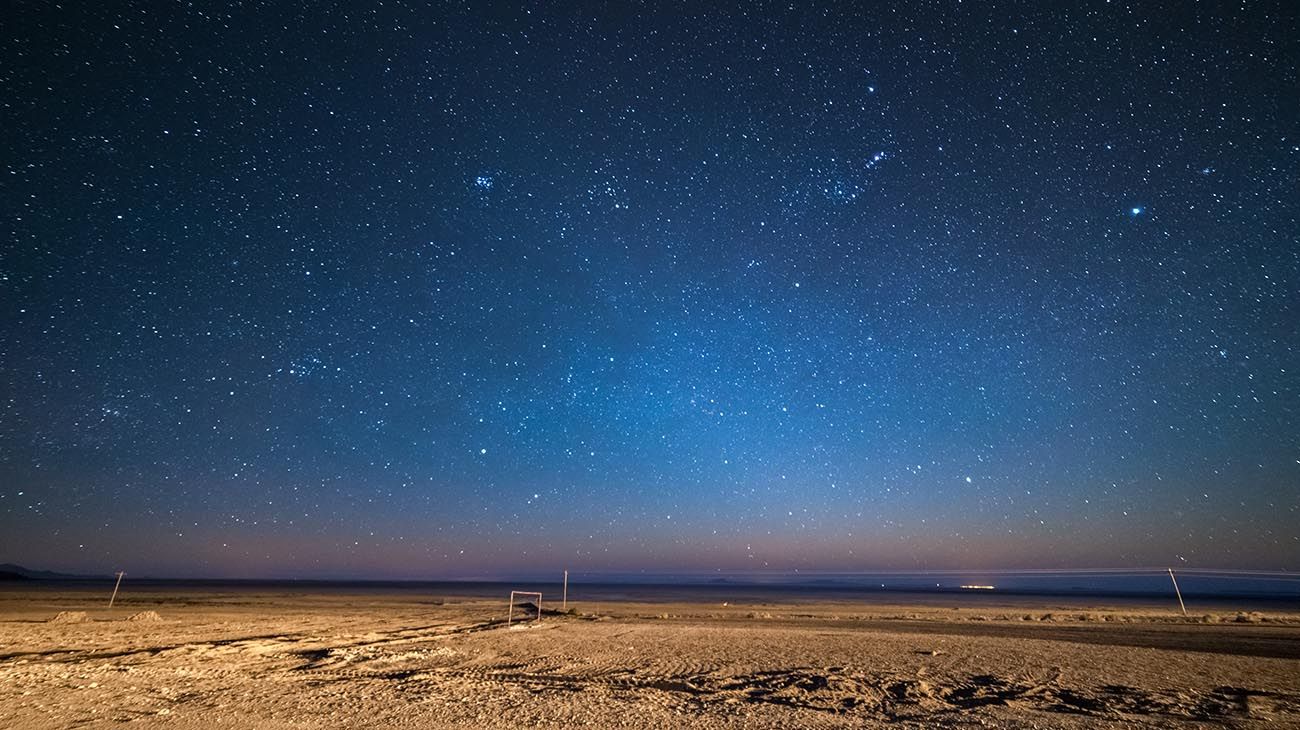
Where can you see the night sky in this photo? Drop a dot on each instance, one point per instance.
(497, 288)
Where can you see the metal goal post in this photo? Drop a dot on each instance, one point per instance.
(511, 613)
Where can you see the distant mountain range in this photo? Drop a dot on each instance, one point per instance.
(11, 572)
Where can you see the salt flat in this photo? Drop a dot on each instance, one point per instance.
(301, 659)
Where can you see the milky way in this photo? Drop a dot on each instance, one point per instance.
(487, 289)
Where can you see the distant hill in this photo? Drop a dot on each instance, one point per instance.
(11, 572)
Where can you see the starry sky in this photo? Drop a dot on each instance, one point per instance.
(413, 290)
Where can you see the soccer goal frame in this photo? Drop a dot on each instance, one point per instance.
(510, 614)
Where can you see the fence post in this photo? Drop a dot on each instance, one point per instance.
(1177, 592)
(115, 587)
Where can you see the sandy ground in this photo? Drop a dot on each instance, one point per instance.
(299, 660)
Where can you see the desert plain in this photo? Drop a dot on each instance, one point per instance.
(283, 658)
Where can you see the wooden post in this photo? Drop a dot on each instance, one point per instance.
(565, 605)
(115, 587)
(1177, 592)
